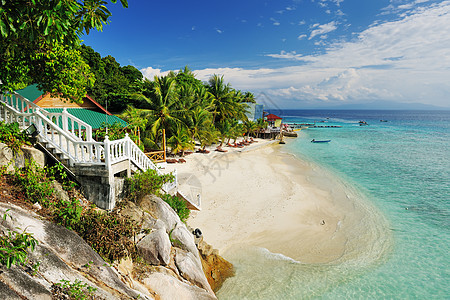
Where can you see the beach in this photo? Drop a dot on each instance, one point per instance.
(259, 196)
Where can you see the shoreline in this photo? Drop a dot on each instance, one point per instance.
(264, 197)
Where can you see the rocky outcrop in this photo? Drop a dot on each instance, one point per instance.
(8, 158)
(62, 255)
(155, 248)
(167, 287)
(216, 268)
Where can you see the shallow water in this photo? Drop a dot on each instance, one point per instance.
(403, 168)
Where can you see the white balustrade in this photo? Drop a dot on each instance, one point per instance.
(73, 137)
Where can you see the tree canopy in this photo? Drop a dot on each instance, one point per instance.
(39, 42)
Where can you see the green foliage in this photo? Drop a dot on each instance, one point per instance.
(37, 42)
(146, 183)
(68, 213)
(63, 72)
(14, 245)
(109, 234)
(178, 205)
(76, 290)
(11, 135)
(34, 181)
(115, 87)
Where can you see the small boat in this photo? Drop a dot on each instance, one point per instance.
(383, 120)
(320, 141)
(362, 123)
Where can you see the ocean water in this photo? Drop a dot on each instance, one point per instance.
(402, 167)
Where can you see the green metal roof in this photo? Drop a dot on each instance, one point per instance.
(31, 92)
(93, 118)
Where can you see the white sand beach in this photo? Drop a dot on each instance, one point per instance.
(260, 196)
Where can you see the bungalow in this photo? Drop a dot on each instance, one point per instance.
(273, 120)
(89, 111)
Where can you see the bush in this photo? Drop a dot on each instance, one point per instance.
(146, 183)
(178, 205)
(11, 135)
(107, 233)
(34, 181)
(14, 245)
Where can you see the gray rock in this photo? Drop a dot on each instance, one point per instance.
(155, 248)
(132, 211)
(62, 255)
(149, 223)
(18, 159)
(190, 268)
(168, 287)
(59, 192)
(37, 155)
(159, 209)
(183, 239)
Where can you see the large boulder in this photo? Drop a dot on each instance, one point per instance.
(7, 157)
(168, 288)
(159, 209)
(62, 255)
(216, 268)
(190, 268)
(155, 248)
(183, 239)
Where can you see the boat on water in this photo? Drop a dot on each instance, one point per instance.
(320, 141)
(383, 120)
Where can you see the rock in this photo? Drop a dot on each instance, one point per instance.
(183, 239)
(59, 192)
(132, 211)
(37, 206)
(216, 268)
(167, 287)
(62, 255)
(190, 268)
(37, 155)
(159, 209)
(149, 223)
(155, 248)
(18, 160)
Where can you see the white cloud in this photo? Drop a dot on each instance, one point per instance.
(287, 55)
(301, 36)
(219, 31)
(322, 29)
(150, 72)
(407, 60)
(274, 22)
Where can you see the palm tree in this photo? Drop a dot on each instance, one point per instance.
(201, 121)
(180, 141)
(250, 127)
(137, 120)
(222, 103)
(164, 106)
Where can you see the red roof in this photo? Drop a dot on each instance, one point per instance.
(271, 117)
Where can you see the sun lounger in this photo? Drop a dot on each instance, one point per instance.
(221, 150)
(171, 160)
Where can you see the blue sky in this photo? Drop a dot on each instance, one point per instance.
(293, 53)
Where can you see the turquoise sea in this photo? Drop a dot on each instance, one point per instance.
(402, 167)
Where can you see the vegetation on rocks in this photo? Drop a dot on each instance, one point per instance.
(109, 234)
(14, 246)
(146, 183)
(12, 136)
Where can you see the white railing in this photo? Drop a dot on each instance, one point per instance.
(72, 137)
(69, 123)
(74, 149)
